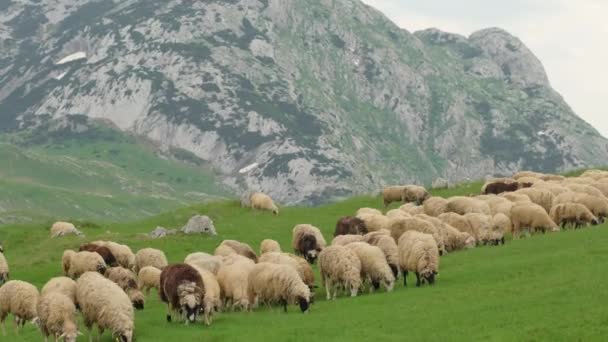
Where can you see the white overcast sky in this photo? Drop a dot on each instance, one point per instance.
(570, 37)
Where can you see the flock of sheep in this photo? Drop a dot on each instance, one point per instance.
(105, 281)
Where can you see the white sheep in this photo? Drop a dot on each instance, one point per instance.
(150, 257)
(392, 194)
(540, 196)
(435, 206)
(127, 280)
(374, 222)
(374, 267)
(20, 299)
(105, 304)
(228, 247)
(59, 229)
(572, 213)
(4, 269)
(261, 201)
(63, 285)
(340, 268)
(307, 241)
(383, 240)
(271, 283)
(415, 194)
(299, 264)
(399, 226)
(209, 262)
(232, 277)
(212, 300)
(368, 211)
(57, 314)
(531, 216)
(81, 262)
(268, 245)
(412, 209)
(343, 240)
(464, 205)
(147, 278)
(418, 253)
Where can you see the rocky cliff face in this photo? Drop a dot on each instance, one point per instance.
(327, 96)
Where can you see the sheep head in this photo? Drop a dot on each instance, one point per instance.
(304, 304)
(189, 300)
(124, 336)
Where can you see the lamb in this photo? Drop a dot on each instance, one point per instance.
(206, 261)
(106, 305)
(540, 196)
(127, 281)
(181, 287)
(271, 283)
(464, 205)
(350, 225)
(123, 253)
(232, 278)
(368, 211)
(374, 222)
(418, 253)
(412, 209)
(268, 245)
(147, 278)
(105, 253)
(415, 194)
(4, 270)
(307, 241)
(531, 216)
(299, 264)
(572, 213)
(399, 226)
(392, 194)
(150, 257)
(261, 201)
(387, 244)
(82, 262)
(212, 300)
(435, 206)
(59, 229)
(597, 205)
(374, 267)
(342, 240)
(57, 314)
(20, 299)
(238, 247)
(339, 267)
(64, 285)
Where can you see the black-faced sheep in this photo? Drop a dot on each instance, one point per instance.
(307, 241)
(572, 213)
(181, 287)
(418, 253)
(277, 283)
(350, 225)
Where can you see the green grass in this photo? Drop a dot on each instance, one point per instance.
(547, 287)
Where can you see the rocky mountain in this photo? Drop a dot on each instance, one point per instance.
(328, 97)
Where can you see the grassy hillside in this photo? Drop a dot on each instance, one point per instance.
(100, 174)
(547, 287)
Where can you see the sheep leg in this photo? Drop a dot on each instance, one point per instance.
(418, 279)
(502, 240)
(168, 314)
(405, 278)
(2, 318)
(100, 330)
(16, 324)
(327, 289)
(284, 303)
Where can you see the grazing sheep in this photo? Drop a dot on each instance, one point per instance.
(498, 186)
(59, 229)
(383, 240)
(397, 213)
(366, 211)
(374, 267)
(65, 260)
(268, 245)
(232, 278)
(64, 285)
(418, 253)
(262, 201)
(340, 268)
(181, 287)
(497, 204)
(299, 264)
(435, 206)
(584, 189)
(228, 247)
(150, 257)
(123, 253)
(464, 205)
(147, 278)
(456, 240)
(307, 241)
(206, 261)
(556, 189)
(501, 224)
(57, 314)
(400, 226)
(82, 262)
(4, 270)
(438, 224)
(212, 301)
(515, 197)
(374, 222)
(602, 187)
(597, 205)
(415, 194)
(342, 240)
(105, 253)
(540, 196)
(392, 194)
(350, 225)
(531, 216)
(20, 299)
(480, 226)
(412, 209)
(572, 213)
(105, 304)
(127, 281)
(277, 283)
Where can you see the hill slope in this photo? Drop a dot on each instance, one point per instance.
(328, 97)
(495, 293)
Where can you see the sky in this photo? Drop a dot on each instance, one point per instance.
(569, 37)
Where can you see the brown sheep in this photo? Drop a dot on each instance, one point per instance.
(105, 253)
(415, 194)
(350, 225)
(181, 287)
(498, 186)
